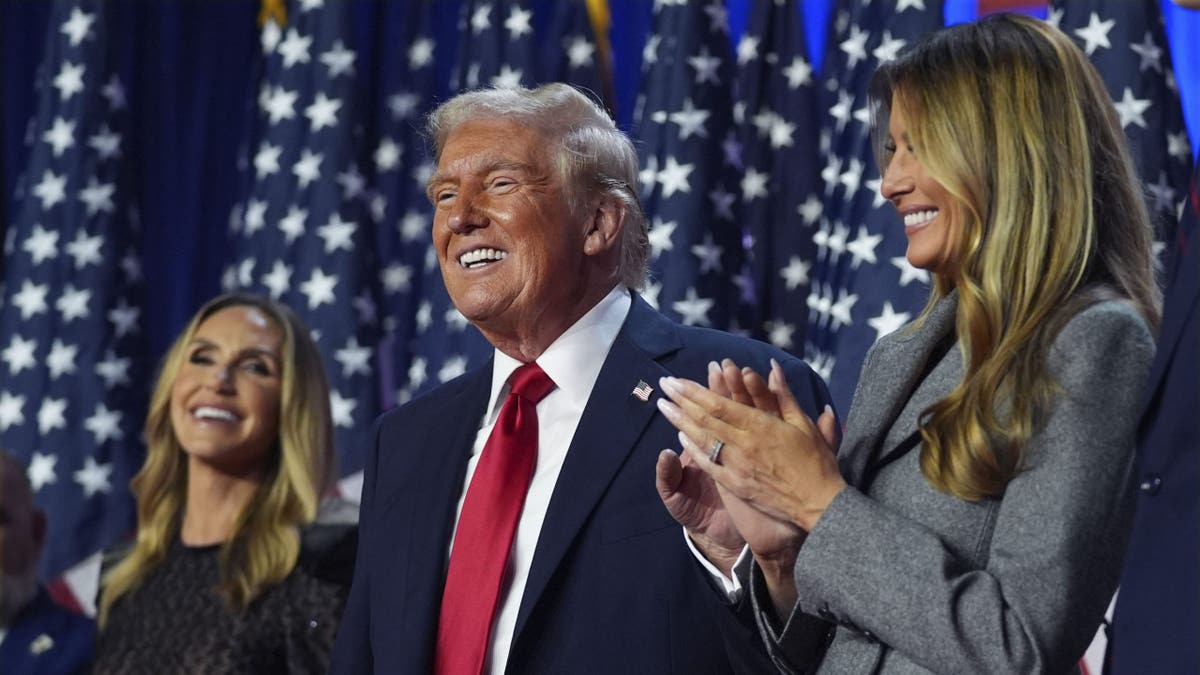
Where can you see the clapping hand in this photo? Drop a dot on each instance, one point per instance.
(695, 501)
(775, 471)
(776, 459)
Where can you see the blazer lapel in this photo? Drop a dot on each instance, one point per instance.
(613, 421)
(898, 365)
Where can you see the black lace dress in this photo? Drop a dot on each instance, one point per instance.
(176, 623)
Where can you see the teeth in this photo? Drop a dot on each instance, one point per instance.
(919, 217)
(207, 412)
(481, 256)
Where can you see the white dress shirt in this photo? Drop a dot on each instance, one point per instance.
(573, 362)
(731, 585)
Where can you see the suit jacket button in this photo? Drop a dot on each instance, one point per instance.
(1150, 483)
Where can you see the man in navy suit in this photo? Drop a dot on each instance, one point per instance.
(1157, 618)
(36, 635)
(542, 245)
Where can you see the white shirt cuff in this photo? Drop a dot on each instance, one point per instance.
(732, 587)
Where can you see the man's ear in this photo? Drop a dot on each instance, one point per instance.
(607, 218)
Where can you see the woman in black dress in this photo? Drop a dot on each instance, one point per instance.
(222, 577)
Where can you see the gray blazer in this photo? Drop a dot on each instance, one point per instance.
(898, 577)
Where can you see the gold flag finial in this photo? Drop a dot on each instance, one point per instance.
(601, 19)
(273, 10)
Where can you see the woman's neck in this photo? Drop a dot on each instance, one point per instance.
(214, 502)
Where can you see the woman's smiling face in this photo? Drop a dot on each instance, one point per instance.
(226, 397)
(932, 220)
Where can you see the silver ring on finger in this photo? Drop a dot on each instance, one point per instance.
(714, 454)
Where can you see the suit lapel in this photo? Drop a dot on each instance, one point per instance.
(420, 517)
(613, 421)
(1178, 306)
(899, 365)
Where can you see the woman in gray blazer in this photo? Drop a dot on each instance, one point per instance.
(975, 516)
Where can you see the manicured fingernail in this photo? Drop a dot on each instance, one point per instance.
(714, 367)
(828, 408)
(669, 409)
(683, 440)
(670, 384)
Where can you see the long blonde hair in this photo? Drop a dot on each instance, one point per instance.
(266, 543)
(1016, 124)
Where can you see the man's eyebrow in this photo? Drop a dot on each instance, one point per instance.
(508, 165)
(439, 176)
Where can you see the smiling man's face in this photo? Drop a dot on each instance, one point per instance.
(511, 250)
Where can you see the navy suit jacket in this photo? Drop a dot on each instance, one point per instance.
(45, 639)
(612, 587)
(1156, 622)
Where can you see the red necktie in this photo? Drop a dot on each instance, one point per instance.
(486, 526)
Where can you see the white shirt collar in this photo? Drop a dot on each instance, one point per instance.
(574, 359)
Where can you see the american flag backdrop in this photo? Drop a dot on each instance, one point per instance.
(74, 366)
(690, 152)
(410, 85)
(758, 179)
(862, 285)
(781, 189)
(304, 233)
(1126, 42)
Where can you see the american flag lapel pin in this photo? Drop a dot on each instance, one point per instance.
(41, 645)
(642, 391)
